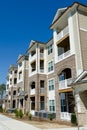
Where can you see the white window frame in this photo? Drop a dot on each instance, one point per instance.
(52, 105)
(50, 66)
(51, 84)
(50, 49)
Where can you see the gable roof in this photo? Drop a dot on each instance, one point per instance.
(65, 12)
(58, 14)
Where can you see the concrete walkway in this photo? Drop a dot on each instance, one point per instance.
(12, 124)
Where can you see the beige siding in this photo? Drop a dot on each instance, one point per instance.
(83, 21)
(83, 37)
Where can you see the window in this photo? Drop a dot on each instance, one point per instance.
(50, 66)
(41, 83)
(51, 105)
(63, 102)
(14, 92)
(15, 71)
(15, 80)
(10, 81)
(33, 85)
(63, 105)
(50, 49)
(51, 84)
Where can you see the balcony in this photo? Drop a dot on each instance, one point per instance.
(32, 58)
(32, 92)
(64, 32)
(64, 83)
(64, 55)
(41, 90)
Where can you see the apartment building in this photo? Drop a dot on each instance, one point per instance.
(11, 87)
(52, 70)
(70, 31)
(39, 59)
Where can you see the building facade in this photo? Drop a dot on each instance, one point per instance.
(45, 74)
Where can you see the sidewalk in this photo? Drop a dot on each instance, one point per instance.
(12, 124)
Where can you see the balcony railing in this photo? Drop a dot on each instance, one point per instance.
(64, 83)
(41, 55)
(32, 92)
(64, 55)
(65, 116)
(42, 70)
(41, 90)
(64, 32)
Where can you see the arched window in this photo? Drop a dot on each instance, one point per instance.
(33, 85)
(65, 74)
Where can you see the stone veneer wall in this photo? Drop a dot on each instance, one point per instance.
(82, 116)
(66, 63)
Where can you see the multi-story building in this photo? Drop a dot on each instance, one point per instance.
(53, 66)
(11, 87)
(69, 33)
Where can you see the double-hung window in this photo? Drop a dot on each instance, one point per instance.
(50, 49)
(51, 105)
(50, 66)
(51, 84)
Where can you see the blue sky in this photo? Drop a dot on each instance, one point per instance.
(22, 21)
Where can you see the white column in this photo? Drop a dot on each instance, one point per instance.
(45, 61)
(75, 41)
(55, 46)
(23, 106)
(36, 58)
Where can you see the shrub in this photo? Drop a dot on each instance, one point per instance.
(16, 113)
(73, 119)
(30, 116)
(20, 113)
(50, 116)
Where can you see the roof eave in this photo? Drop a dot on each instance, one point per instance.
(75, 4)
